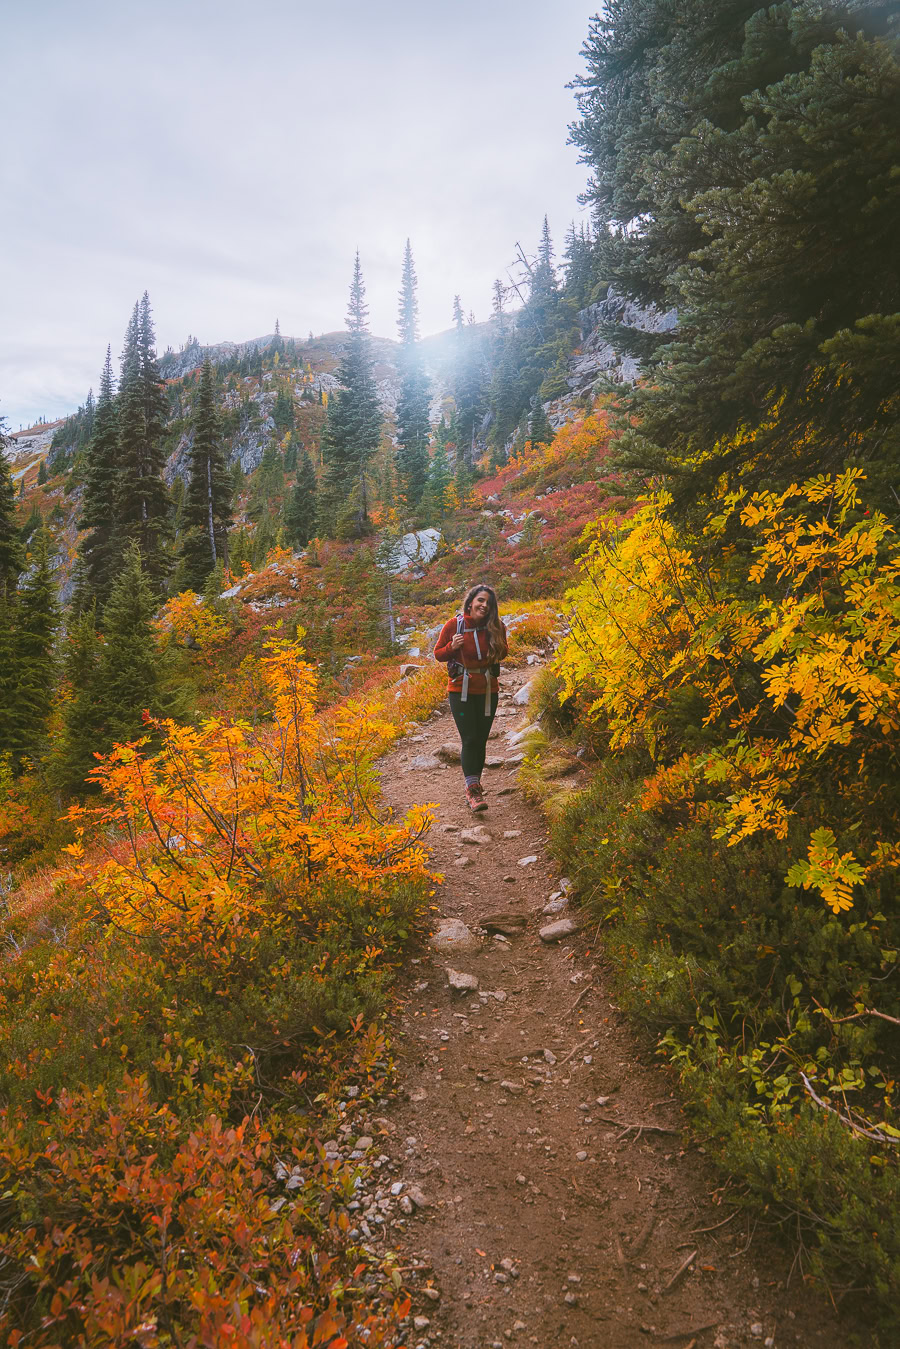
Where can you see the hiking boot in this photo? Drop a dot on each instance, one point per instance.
(475, 797)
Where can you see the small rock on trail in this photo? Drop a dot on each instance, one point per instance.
(565, 927)
(453, 935)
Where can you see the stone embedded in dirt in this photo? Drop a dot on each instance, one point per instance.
(424, 761)
(554, 931)
(514, 1088)
(555, 904)
(581, 1156)
(433, 1294)
(514, 738)
(406, 1205)
(462, 861)
(603, 1100)
(507, 791)
(417, 1196)
(573, 1278)
(448, 753)
(549, 1057)
(499, 995)
(510, 924)
(521, 1180)
(514, 761)
(453, 935)
(494, 763)
(510, 879)
(460, 982)
(512, 833)
(363, 1144)
(565, 885)
(450, 829)
(421, 1322)
(521, 697)
(528, 861)
(571, 1299)
(478, 835)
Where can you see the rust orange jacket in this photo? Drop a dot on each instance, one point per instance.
(467, 655)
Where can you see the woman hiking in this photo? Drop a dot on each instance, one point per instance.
(473, 644)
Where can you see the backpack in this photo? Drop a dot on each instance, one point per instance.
(456, 670)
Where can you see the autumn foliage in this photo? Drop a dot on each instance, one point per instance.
(794, 674)
(180, 1010)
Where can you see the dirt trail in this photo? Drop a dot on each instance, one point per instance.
(547, 1220)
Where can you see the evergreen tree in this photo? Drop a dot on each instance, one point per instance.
(133, 673)
(96, 549)
(469, 384)
(35, 618)
(756, 147)
(300, 511)
(579, 265)
(43, 475)
(540, 432)
(11, 556)
(268, 483)
(141, 501)
(439, 480)
(84, 734)
(413, 424)
(283, 410)
(290, 454)
(353, 428)
(206, 513)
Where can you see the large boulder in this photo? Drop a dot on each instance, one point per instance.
(416, 549)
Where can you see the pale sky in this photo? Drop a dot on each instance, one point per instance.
(229, 156)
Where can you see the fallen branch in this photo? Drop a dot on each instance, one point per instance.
(587, 988)
(641, 1128)
(695, 1231)
(680, 1270)
(635, 1247)
(572, 1052)
(875, 1134)
(685, 1334)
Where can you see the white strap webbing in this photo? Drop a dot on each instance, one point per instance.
(487, 678)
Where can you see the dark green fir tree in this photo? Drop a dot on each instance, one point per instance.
(206, 510)
(413, 424)
(141, 504)
(96, 548)
(134, 676)
(540, 432)
(352, 431)
(757, 145)
(84, 733)
(35, 619)
(11, 555)
(300, 511)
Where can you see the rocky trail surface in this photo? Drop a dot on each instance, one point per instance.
(534, 1170)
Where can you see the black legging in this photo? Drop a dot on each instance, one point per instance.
(474, 728)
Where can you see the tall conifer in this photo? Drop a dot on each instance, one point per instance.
(300, 511)
(35, 621)
(413, 423)
(96, 549)
(353, 429)
(206, 512)
(11, 556)
(132, 672)
(141, 497)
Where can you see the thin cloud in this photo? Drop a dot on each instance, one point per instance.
(231, 159)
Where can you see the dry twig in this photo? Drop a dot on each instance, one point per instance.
(680, 1270)
(875, 1134)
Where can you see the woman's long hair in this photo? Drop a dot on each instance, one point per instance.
(491, 622)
